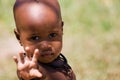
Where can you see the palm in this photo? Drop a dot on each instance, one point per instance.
(28, 66)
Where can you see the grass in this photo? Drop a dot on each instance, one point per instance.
(91, 38)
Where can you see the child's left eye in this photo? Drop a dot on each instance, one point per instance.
(52, 35)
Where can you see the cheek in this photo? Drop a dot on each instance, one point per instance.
(31, 49)
(30, 46)
(57, 47)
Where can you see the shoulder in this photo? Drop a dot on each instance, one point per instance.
(59, 69)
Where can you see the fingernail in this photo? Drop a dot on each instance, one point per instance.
(14, 57)
(36, 50)
(27, 48)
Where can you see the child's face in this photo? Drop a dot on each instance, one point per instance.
(39, 28)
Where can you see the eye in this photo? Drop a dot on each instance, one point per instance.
(35, 38)
(52, 35)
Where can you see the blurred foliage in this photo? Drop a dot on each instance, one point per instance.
(102, 15)
(6, 16)
(91, 38)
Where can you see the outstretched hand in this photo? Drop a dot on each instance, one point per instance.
(27, 66)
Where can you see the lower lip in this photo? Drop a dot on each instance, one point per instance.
(47, 54)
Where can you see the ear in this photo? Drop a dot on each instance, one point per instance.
(62, 24)
(17, 34)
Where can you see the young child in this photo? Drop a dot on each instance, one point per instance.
(39, 29)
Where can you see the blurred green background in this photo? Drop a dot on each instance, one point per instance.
(91, 38)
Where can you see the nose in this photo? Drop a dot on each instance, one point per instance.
(44, 45)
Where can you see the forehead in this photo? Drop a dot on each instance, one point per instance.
(35, 14)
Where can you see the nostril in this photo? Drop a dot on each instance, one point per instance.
(47, 50)
(45, 46)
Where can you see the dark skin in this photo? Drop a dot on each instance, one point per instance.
(39, 31)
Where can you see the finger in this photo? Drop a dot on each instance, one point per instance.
(15, 59)
(35, 55)
(35, 73)
(21, 54)
(28, 54)
(24, 75)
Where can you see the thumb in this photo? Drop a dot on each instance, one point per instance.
(35, 73)
(15, 59)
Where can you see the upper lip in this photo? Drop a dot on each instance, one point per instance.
(46, 53)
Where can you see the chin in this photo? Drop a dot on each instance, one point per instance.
(46, 61)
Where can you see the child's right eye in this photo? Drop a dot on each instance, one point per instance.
(35, 38)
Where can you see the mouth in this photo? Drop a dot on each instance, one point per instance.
(47, 53)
